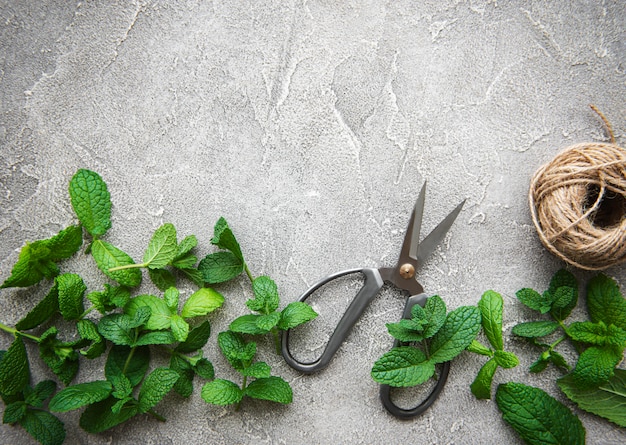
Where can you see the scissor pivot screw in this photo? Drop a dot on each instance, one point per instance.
(407, 271)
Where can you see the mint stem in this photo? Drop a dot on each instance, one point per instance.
(128, 266)
(248, 272)
(276, 336)
(15, 332)
(127, 362)
(156, 415)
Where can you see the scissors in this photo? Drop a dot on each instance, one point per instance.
(412, 255)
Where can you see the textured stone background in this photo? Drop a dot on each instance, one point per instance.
(309, 125)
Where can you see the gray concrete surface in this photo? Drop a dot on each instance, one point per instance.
(309, 125)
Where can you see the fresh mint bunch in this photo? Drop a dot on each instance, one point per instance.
(491, 309)
(240, 354)
(429, 337)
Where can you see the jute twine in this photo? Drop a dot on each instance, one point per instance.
(578, 205)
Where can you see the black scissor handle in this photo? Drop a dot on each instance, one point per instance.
(371, 287)
(385, 390)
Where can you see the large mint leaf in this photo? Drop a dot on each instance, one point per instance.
(490, 305)
(403, 366)
(219, 267)
(596, 365)
(605, 302)
(295, 314)
(14, 369)
(100, 417)
(43, 426)
(77, 396)
(273, 388)
(162, 248)
(91, 201)
(221, 392)
(158, 383)
(108, 257)
(538, 417)
(160, 313)
(457, 333)
(33, 265)
(47, 307)
(202, 302)
(607, 400)
(71, 290)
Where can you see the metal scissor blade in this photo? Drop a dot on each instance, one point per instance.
(427, 246)
(412, 236)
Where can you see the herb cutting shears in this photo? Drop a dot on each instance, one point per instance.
(403, 276)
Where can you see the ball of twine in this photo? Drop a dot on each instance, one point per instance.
(578, 205)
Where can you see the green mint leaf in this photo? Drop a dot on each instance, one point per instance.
(180, 328)
(605, 302)
(163, 279)
(204, 369)
(224, 239)
(162, 248)
(42, 391)
(457, 333)
(47, 307)
(535, 329)
(235, 349)
(160, 313)
(219, 267)
(247, 324)
(490, 305)
(185, 262)
(596, 365)
(403, 366)
(14, 369)
(71, 290)
(109, 257)
(112, 297)
(43, 427)
(295, 314)
(506, 359)
(202, 302)
(563, 293)
(185, 246)
(135, 367)
(60, 356)
(155, 338)
(65, 243)
(266, 298)
(274, 389)
(534, 300)
(100, 417)
(258, 370)
(171, 297)
(221, 392)
(481, 386)
(435, 311)
(118, 329)
(267, 322)
(184, 384)
(478, 348)
(194, 275)
(87, 330)
(606, 401)
(120, 404)
(538, 417)
(33, 265)
(77, 396)
(196, 339)
(158, 383)
(406, 331)
(597, 334)
(14, 412)
(122, 388)
(91, 201)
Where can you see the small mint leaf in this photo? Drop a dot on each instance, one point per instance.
(71, 290)
(224, 238)
(47, 307)
(91, 201)
(14, 369)
(160, 314)
(491, 310)
(158, 383)
(481, 386)
(221, 392)
(535, 329)
(162, 247)
(266, 297)
(247, 324)
(257, 370)
(295, 314)
(219, 267)
(43, 426)
(202, 302)
(274, 389)
(534, 300)
(196, 339)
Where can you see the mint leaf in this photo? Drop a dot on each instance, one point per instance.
(117, 328)
(160, 313)
(456, 334)
(65, 243)
(171, 297)
(77, 396)
(162, 248)
(478, 348)
(273, 388)
(490, 305)
(481, 386)
(33, 265)
(163, 279)
(42, 391)
(155, 338)
(295, 314)
(202, 302)
(109, 257)
(597, 334)
(158, 383)
(122, 387)
(224, 239)
(257, 370)
(606, 401)
(185, 246)
(219, 267)
(534, 300)
(196, 339)
(110, 298)
(406, 330)
(91, 201)
(235, 349)
(134, 368)
(180, 328)
(100, 417)
(535, 329)
(538, 417)
(403, 366)
(14, 369)
(435, 315)
(266, 297)
(204, 369)
(71, 290)
(563, 293)
(247, 324)
(596, 365)
(605, 302)
(88, 331)
(14, 412)
(43, 426)
(184, 384)
(267, 322)
(47, 307)
(60, 356)
(221, 392)
(506, 359)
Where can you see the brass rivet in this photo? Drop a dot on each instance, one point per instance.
(407, 271)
